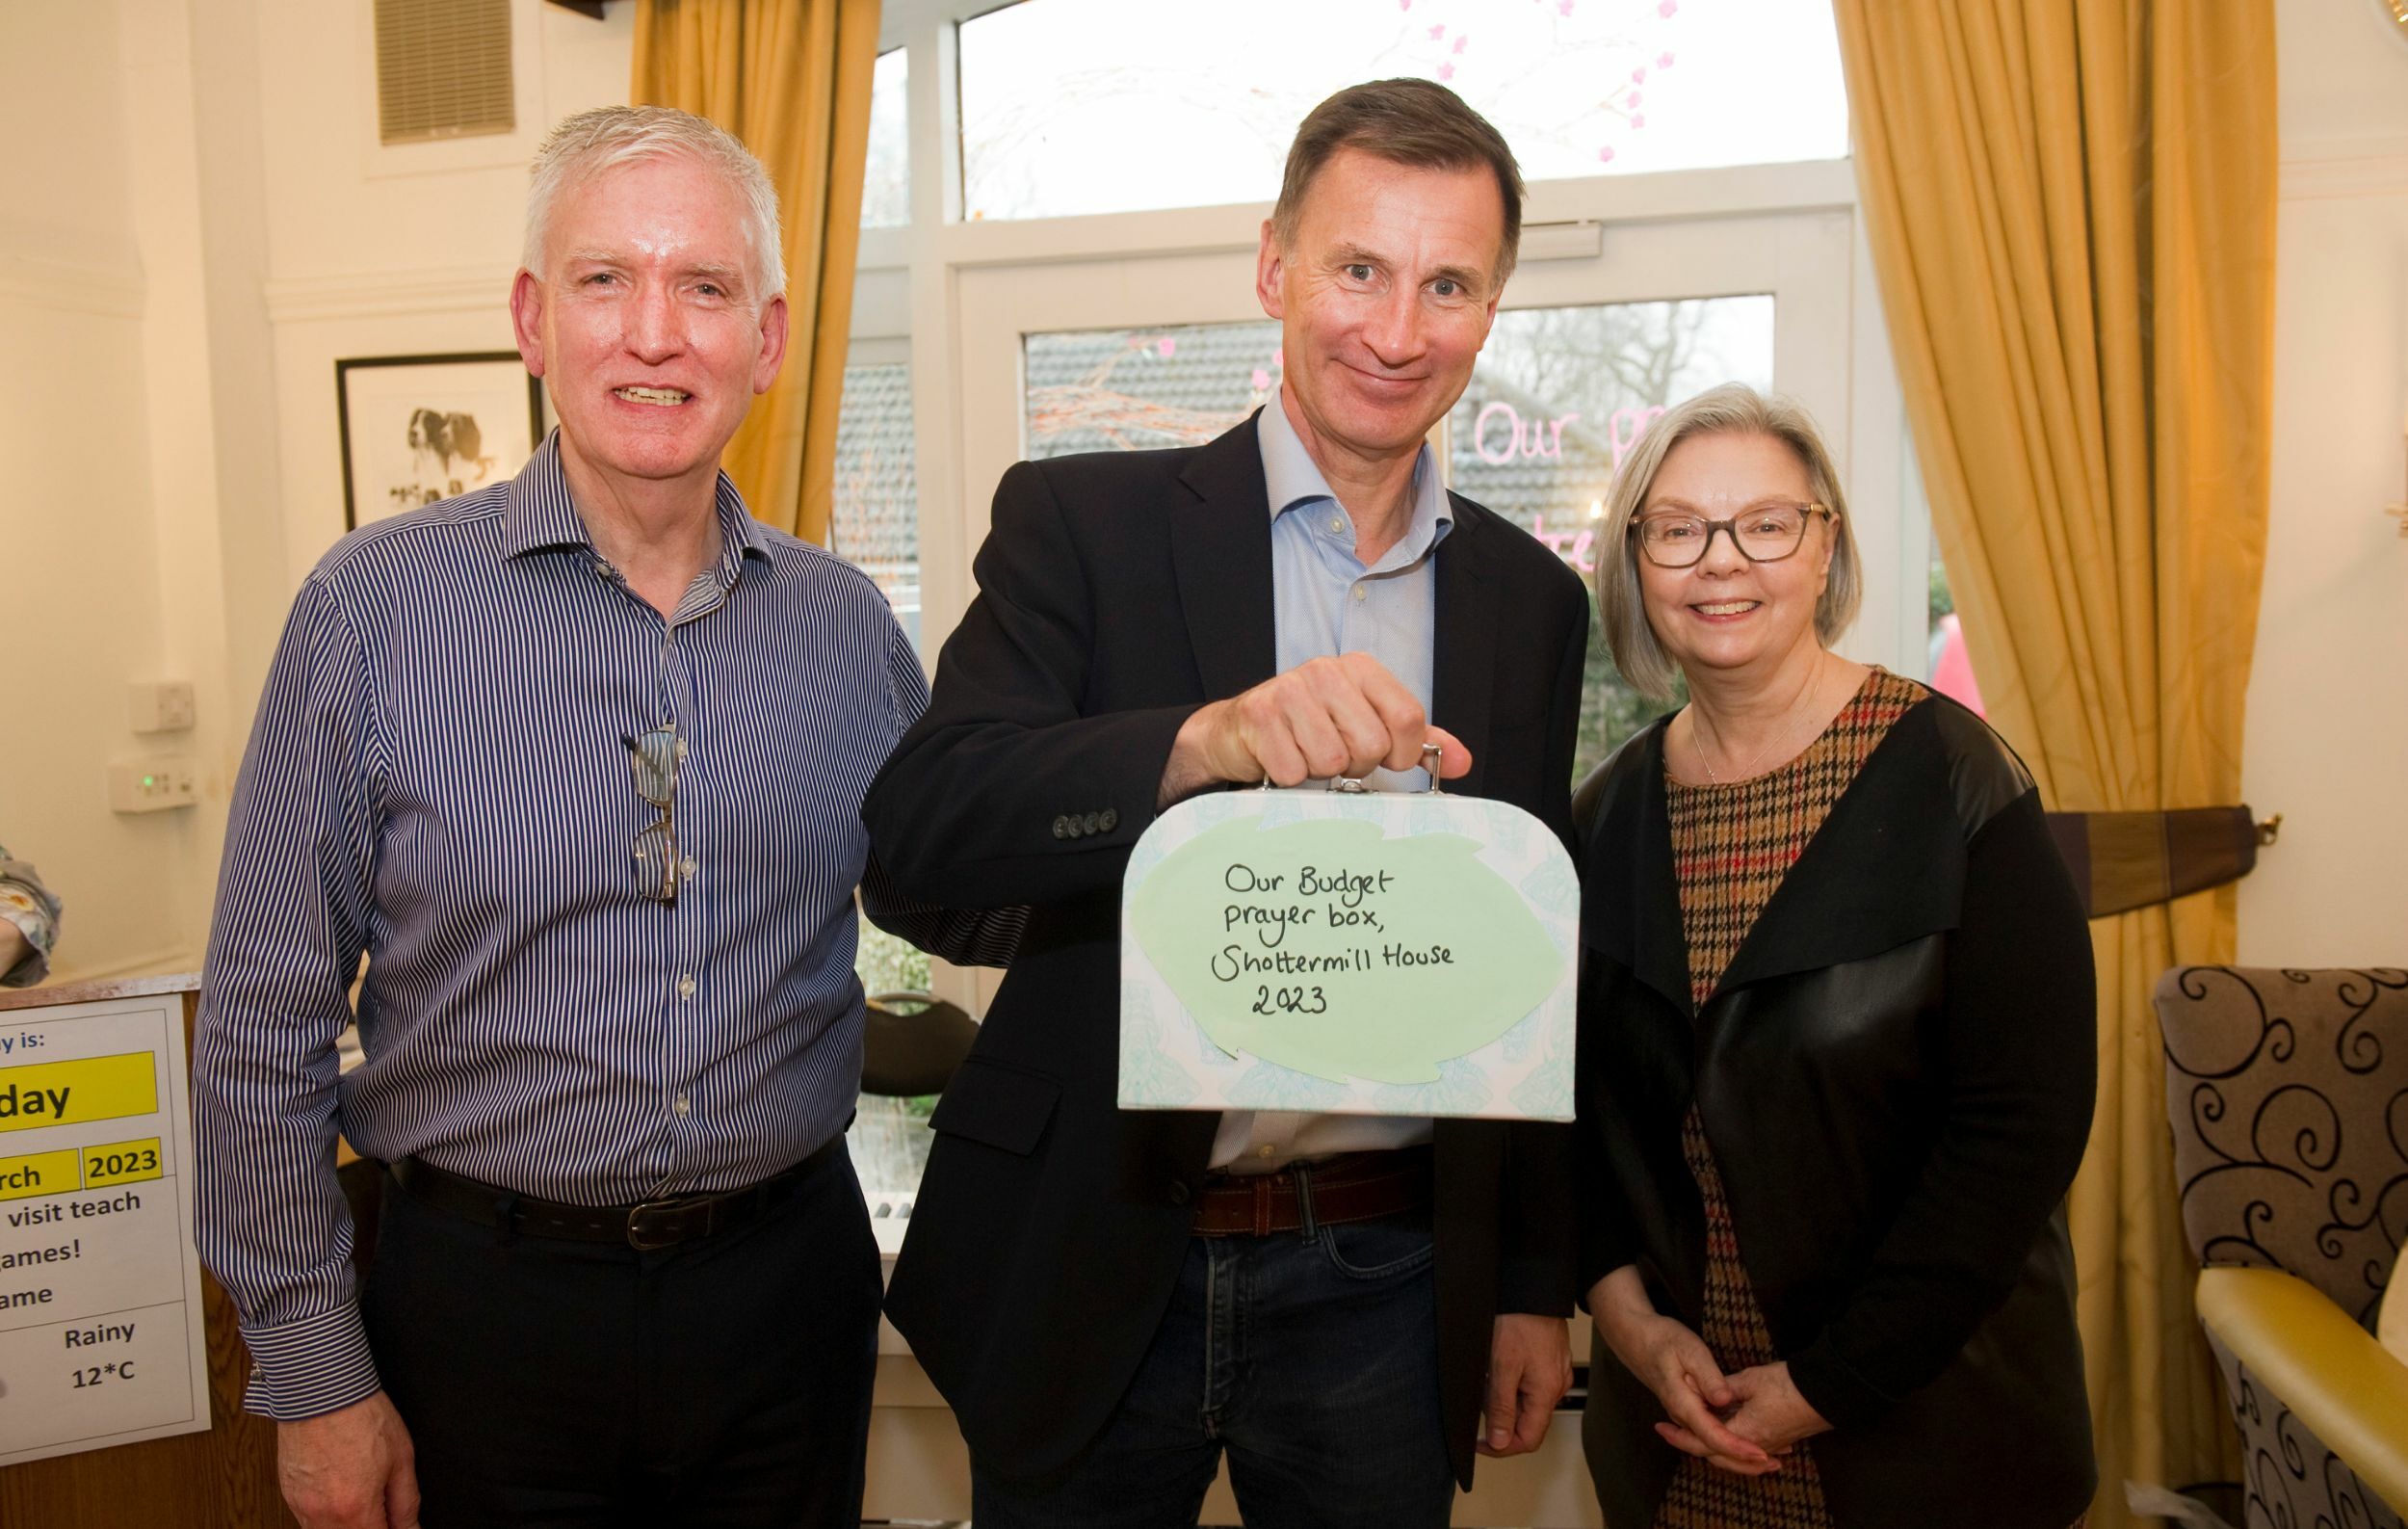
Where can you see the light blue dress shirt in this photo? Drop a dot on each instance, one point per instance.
(1328, 601)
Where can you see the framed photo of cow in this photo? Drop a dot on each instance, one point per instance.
(417, 429)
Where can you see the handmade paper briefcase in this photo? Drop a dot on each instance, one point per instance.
(1348, 952)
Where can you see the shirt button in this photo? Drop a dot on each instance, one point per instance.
(602, 568)
(685, 986)
(685, 868)
(1337, 523)
(1264, 1151)
(1361, 594)
(681, 1106)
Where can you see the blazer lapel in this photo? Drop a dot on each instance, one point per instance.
(1631, 910)
(1220, 547)
(1663, 957)
(1465, 616)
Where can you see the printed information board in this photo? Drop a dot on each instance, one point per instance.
(1373, 954)
(100, 1303)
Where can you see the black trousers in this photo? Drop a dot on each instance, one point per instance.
(723, 1381)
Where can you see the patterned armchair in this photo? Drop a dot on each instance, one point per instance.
(2289, 1097)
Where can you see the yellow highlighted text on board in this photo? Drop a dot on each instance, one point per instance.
(64, 1093)
(121, 1163)
(38, 1174)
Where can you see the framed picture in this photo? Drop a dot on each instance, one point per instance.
(417, 429)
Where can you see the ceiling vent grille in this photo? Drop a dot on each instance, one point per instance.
(443, 69)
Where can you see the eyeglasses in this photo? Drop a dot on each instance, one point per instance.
(654, 759)
(1766, 534)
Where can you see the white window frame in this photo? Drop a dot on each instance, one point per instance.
(960, 295)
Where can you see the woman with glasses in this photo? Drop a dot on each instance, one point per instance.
(1836, 1045)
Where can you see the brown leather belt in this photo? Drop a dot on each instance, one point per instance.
(646, 1227)
(1353, 1186)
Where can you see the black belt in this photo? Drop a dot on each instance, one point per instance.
(653, 1224)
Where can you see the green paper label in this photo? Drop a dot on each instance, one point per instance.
(1302, 933)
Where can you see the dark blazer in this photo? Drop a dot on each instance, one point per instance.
(1117, 593)
(1896, 1072)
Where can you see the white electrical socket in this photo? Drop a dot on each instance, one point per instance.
(162, 705)
(160, 783)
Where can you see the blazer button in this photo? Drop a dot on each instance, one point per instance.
(1070, 825)
(1093, 823)
(1061, 827)
(1109, 819)
(1180, 1193)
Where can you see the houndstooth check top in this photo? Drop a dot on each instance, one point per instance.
(1730, 846)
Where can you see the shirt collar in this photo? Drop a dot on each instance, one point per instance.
(1292, 478)
(542, 516)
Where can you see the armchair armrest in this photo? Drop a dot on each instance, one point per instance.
(2337, 1380)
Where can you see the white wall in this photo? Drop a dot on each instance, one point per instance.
(393, 252)
(77, 536)
(2327, 743)
(207, 225)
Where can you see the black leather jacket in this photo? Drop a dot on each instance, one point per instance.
(1897, 1073)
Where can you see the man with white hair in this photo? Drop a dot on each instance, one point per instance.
(576, 762)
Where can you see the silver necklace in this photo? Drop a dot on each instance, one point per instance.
(1789, 724)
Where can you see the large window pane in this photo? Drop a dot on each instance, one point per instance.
(886, 181)
(889, 1137)
(1087, 106)
(1130, 389)
(1558, 399)
(876, 525)
(877, 508)
(1951, 667)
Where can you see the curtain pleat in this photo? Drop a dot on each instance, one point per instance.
(790, 78)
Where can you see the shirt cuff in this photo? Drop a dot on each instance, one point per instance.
(318, 1364)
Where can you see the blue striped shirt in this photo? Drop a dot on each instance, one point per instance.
(439, 779)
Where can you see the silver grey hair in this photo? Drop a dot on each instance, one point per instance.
(591, 142)
(1733, 409)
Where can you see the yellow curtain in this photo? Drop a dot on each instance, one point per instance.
(790, 78)
(2070, 206)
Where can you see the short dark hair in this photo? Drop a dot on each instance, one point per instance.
(1405, 121)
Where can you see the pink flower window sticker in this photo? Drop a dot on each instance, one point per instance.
(1627, 107)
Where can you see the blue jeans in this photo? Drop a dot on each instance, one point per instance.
(1311, 1357)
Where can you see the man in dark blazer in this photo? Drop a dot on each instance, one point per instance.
(1348, 1306)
